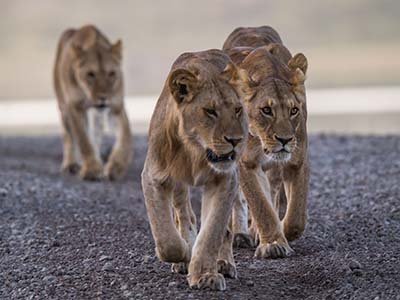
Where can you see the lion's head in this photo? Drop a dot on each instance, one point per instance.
(97, 67)
(207, 91)
(277, 103)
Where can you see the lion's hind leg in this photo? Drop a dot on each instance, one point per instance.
(240, 226)
(226, 262)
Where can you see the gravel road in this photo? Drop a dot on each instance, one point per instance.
(61, 238)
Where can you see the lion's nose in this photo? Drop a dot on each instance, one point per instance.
(283, 140)
(102, 98)
(233, 141)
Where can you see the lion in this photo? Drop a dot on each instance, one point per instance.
(197, 134)
(275, 166)
(88, 82)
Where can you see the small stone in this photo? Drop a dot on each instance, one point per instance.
(3, 192)
(50, 279)
(87, 262)
(357, 272)
(146, 258)
(108, 267)
(124, 287)
(354, 265)
(255, 265)
(55, 243)
(105, 257)
(172, 284)
(128, 294)
(250, 283)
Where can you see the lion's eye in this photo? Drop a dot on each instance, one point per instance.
(210, 112)
(238, 111)
(90, 75)
(294, 111)
(111, 74)
(266, 111)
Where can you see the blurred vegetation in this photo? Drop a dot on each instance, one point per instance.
(348, 43)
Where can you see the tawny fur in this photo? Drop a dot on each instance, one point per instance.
(199, 108)
(88, 77)
(269, 177)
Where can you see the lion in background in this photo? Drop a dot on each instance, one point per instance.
(274, 167)
(197, 134)
(88, 81)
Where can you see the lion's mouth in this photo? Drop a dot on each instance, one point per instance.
(101, 106)
(214, 158)
(280, 151)
(283, 150)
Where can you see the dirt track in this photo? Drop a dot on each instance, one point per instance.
(64, 239)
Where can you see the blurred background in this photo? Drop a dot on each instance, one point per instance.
(352, 47)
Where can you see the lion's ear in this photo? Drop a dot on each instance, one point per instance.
(84, 39)
(279, 51)
(183, 85)
(78, 50)
(240, 80)
(298, 65)
(116, 49)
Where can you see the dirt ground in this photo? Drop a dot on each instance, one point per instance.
(65, 239)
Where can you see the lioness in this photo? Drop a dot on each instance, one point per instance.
(197, 133)
(275, 163)
(89, 86)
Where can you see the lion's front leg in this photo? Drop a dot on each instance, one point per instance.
(255, 186)
(92, 168)
(70, 162)
(170, 247)
(296, 188)
(216, 209)
(185, 221)
(121, 154)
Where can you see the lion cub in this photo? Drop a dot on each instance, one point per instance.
(88, 82)
(274, 167)
(197, 134)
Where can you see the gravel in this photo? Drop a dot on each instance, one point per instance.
(61, 238)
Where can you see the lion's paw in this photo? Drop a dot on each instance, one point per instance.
(214, 281)
(293, 230)
(70, 168)
(227, 269)
(180, 268)
(243, 240)
(114, 170)
(253, 232)
(273, 250)
(93, 171)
